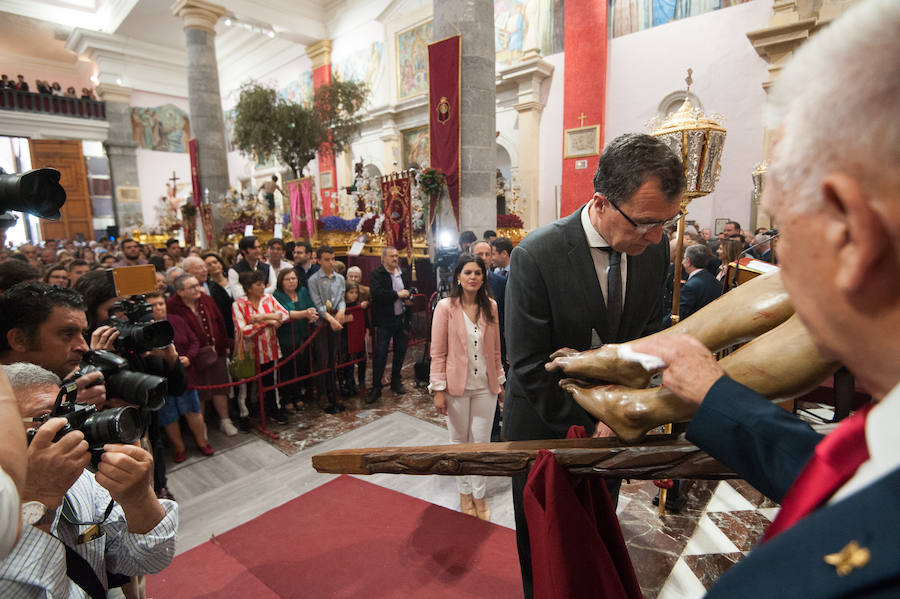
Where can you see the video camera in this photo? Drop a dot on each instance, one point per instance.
(124, 424)
(137, 332)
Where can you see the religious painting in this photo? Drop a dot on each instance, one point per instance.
(298, 91)
(720, 226)
(412, 60)
(326, 180)
(165, 128)
(520, 25)
(228, 117)
(415, 148)
(363, 66)
(582, 141)
(629, 16)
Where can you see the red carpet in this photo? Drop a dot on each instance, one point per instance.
(350, 538)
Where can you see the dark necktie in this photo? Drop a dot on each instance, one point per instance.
(613, 294)
(834, 462)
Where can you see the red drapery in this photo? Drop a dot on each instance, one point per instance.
(443, 113)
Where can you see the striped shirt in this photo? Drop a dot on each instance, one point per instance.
(259, 337)
(36, 567)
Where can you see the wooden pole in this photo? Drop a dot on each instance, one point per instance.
(661, 456)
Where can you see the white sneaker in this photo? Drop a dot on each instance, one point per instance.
(227, 427)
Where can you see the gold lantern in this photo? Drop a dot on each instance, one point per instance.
(699, 141)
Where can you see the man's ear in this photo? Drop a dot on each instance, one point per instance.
(17, 340)
(855, 231)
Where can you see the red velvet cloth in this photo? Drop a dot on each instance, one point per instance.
(443, 113)
(835, 460)
(577, 548)
(356, 330)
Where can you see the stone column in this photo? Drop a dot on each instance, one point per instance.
(121, 150)
(474, 20)
(207, 122)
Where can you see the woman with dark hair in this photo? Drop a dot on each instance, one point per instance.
(299, 305)
(728, 251)
(466, 372)
(57, 274)
(257, 316)
(216, 269)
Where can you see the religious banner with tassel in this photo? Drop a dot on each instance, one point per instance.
(443, 113)
(189, 211)
(398, 226)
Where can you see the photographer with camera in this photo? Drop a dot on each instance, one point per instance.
(44, 325)
(147, 347)
(79, 527)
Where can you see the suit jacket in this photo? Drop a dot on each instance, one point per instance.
(769, 447)
(700, 289)
(449, 347)
(554, 300)
(498, 290)
(303, 275)
(384, 296)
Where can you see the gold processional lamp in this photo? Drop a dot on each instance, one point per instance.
(699, 141)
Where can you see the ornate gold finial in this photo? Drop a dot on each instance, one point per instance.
(689, 80)
(847, 559)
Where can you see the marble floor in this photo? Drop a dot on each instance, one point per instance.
(674, 555)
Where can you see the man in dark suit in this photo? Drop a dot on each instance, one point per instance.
(389, 286)
(701, 287)
(303, 262)
(836, 198)
(570, 287)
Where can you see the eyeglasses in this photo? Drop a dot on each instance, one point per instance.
(645, 227)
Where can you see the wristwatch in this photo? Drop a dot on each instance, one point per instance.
(36, 513)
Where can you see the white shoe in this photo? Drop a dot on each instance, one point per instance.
(227, 427)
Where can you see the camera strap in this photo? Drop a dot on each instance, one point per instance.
(80, 572)
(68, 513)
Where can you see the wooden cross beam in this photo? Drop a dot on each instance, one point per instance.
(173, 179)
(659, 457)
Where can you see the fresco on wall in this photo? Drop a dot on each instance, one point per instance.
(365, 65)
(628, 16)
(523, 24)
(300, 90)
(416, 147)
(165, 128)
(412, 60)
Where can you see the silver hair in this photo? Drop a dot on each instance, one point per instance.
(192, 260)
(23, 375)
(173, 273)
(354, 269)
(836, 106)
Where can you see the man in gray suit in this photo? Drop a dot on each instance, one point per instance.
(570, 287)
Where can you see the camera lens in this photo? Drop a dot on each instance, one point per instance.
(117, 425)
(143, 337)
(145, 390)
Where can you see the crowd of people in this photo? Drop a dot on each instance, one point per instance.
(43, 86)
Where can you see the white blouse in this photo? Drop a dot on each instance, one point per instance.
(476, 377)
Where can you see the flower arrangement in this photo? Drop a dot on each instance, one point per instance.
(509, 221)
(370, 223)
(432, 180)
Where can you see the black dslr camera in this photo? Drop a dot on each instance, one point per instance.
(146, 391)
(133, 317)
(37, 191)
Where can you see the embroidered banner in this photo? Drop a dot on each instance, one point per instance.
(307, 216)
(443, 113)
(395, 189)
(293, 189)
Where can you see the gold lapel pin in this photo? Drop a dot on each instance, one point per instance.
(850, 557)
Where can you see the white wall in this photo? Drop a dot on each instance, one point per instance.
(646, 66)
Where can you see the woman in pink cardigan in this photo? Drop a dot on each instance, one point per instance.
(466, 373)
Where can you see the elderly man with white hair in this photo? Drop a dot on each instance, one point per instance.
(834, 190)
(79, 527)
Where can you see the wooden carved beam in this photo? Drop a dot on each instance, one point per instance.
(659, 457)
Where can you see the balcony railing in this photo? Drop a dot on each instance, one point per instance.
(13, 99)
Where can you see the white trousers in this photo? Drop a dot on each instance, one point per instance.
(469, 420)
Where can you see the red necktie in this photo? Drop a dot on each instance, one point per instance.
(834, 462)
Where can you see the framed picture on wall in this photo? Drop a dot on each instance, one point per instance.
(326, 180)
(720, 225)
(581, 141)
(415, 147)
(412, 60)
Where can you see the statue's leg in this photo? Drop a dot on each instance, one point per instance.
(780, 364)
(742, 314)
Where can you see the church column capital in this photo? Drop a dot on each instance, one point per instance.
(198, 14)
(528, 74)
(530, 106)
(110, 92)
(319, 53)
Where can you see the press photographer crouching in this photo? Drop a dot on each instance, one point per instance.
(78, 527)
(112, 323)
